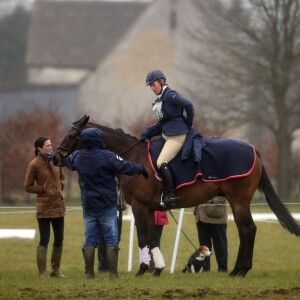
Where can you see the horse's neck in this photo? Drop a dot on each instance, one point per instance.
(118, 142)
(122, 144)
(127, 147)
(119, 145)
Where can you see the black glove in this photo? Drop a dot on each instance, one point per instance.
(145, 173)
(143, 137)
(188, 123)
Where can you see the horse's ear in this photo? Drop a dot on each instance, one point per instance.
(83, 120)
(86, 119)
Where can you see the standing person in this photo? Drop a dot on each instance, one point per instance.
(97, 169)
(173, 125)
(47, 181)
(121, 206)
(211, 220)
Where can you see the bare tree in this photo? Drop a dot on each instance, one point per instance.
(244, 65)
(17, 137)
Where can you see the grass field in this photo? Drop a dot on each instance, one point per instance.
(275, 273)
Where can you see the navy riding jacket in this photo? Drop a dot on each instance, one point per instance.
(173, 121)
(97, 168)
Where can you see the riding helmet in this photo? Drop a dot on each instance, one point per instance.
(154, 75)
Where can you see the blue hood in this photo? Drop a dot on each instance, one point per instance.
(92, 138)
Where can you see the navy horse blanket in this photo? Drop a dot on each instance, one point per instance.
(221, 160)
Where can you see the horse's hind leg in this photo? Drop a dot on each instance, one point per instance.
(247, 231)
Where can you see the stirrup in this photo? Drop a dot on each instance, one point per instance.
(167, 205)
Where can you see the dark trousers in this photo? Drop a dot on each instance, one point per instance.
(214, 235)
(58, 225)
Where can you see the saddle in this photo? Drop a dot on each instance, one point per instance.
(221, 160)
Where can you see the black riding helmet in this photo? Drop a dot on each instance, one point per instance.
(154, 75)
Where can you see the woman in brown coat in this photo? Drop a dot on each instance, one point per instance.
(47, 181)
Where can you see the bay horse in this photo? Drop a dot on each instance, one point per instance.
(144, 195)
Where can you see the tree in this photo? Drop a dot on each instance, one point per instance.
(16, 148)
(13, 36)
(244, 64)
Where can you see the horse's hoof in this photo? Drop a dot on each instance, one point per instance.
(157, 272)
(237, 273)
(143, 268)
(241, 274)
(233, 273)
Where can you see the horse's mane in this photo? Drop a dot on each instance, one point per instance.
(116, 131)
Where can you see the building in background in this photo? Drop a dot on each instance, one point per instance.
(101, 51)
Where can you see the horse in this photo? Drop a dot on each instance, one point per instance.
(144, 195)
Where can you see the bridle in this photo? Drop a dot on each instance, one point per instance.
(68, 151)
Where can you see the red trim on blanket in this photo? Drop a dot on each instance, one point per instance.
(150, 160)
(200, 174)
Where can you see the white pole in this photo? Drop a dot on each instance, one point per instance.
(177, 240)
(131, 235)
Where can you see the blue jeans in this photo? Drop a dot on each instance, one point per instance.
(101, 223)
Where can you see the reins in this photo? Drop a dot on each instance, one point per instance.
(131, 147)
(182, 230)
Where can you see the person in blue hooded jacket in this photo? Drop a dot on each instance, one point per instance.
(97, 168)
(175, 116)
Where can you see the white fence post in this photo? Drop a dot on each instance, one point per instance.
(177, 240)
(131, 235)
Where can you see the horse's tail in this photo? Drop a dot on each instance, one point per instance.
(283, 215)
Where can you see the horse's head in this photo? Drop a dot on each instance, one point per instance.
(70, 142)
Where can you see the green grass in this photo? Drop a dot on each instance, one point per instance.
(275, 273)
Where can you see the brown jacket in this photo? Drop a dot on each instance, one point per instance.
(214, 211)
(47, 181)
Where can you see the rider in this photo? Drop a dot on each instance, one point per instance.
(172, 124)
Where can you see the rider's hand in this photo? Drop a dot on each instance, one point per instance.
(143, 137)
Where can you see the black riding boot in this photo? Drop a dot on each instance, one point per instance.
(168, 197)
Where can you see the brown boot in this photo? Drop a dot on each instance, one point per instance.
(55, 262)
(41, 259)
(112, 253)
(89, 259)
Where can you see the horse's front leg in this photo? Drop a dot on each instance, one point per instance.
(247, 231)
(142, 221)
(159, 261)
(156, 254)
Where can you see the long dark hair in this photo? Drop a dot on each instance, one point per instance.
(39, 142)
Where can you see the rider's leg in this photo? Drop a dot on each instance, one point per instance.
(171, 148)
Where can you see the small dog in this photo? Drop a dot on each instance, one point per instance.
(196, 261)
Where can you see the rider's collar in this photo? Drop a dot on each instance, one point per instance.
(162, 91)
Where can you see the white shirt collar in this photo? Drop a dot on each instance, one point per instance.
(164, 87)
